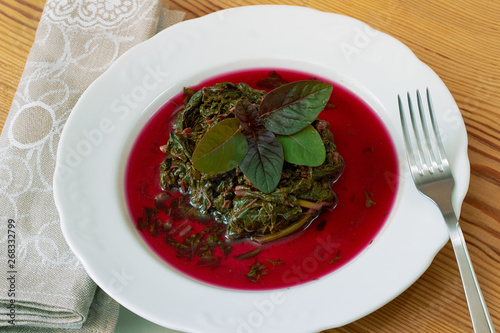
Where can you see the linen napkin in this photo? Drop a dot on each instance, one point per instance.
(42, 282)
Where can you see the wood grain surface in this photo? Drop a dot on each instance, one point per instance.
(460, 41)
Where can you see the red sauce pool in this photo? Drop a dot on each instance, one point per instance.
(366, 193)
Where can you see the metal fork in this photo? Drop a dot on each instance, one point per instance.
(432, 175)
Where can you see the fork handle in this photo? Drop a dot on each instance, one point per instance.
(481, 320)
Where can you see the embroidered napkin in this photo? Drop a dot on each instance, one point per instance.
(42, 283)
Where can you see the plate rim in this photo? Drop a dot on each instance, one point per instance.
(129, 56)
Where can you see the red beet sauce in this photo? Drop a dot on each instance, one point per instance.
(366, 193)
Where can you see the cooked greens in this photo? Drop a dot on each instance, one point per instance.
(246, 184)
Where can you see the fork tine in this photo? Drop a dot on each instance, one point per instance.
(420, 151)
(433, 162)
(441, 151)
(409, 151)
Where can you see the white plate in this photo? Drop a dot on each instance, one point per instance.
(88, 183)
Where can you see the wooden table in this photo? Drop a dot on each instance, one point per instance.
(460, 41)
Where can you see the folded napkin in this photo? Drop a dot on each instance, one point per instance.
(43, 283)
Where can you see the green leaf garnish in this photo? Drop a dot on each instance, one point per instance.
(257, 270)
(275, 263)
(334, 259)
(304, 147)
(369, 202)
(293, 106)
(221, 149)
(248, 255)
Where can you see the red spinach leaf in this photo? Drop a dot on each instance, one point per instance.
(274, 80)
(263, 162)
(247, 113)
(293, 106)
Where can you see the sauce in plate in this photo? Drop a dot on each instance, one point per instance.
(366, 193)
